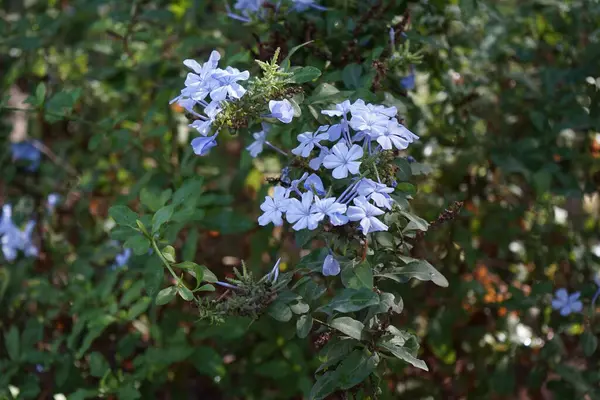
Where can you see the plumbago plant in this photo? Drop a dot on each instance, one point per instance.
(342, 191)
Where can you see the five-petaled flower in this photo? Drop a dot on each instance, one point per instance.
(274, 207)
(343, 160)
(566, 303)
(308, 141)
(366, 213)
(302, 213)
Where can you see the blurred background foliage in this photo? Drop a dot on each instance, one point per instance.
(507, 104)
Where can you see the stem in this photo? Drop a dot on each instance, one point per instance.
(277, 149)
(322, 323)
(164, 260)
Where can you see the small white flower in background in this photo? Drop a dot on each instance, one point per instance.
(282, 110)
(343, 160)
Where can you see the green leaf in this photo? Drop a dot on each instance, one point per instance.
(299, 307)
(285, 64)
(188, 192)
(415, 222)
(422, 271)
(123, 216)
(350, 300)
(185, 293)
(349, 326)
(589, 343)
(138, 308)
(404, 355)
(228, 222)
(138, 244)
(151, 200)
(404, 172)
(355, 368)
(420, 169)
(153, 276)
(304, 325)
(324, 386)
(280, 311)
(161, 217)
(205, 288)
(11, 341)
(305, 74)
(358, 276)
(388, 302)
(303, 237)
(351, 76)
(98, 365)
(166, 295)
(40, 93)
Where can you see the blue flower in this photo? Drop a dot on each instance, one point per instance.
(274, 273)
(303, 5)
(274, 207)
(13, 239)
(52, 201)
(308, 141)
(343, 160)
(202, 145)
(378, 192)
(198, 84)
(122, 258)
(366, 213)
(331, 208)
(302, 213)
(247, 8)
(282, 110)
(566, 303)
(408, 82)
(341, 109)
(228, 86)
(27, 151)
(314, 183)
(396, 135)
(316, 162)
(370, 123)
(226, 285)
(331, 266)
(256, 147)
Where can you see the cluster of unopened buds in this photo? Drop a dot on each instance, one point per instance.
(360, 194)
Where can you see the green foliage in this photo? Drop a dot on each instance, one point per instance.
(507, 106)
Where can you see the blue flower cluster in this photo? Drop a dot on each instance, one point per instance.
(13, 239)
(257, 8)
(208, 82)
(208, 88)
(362, 133)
